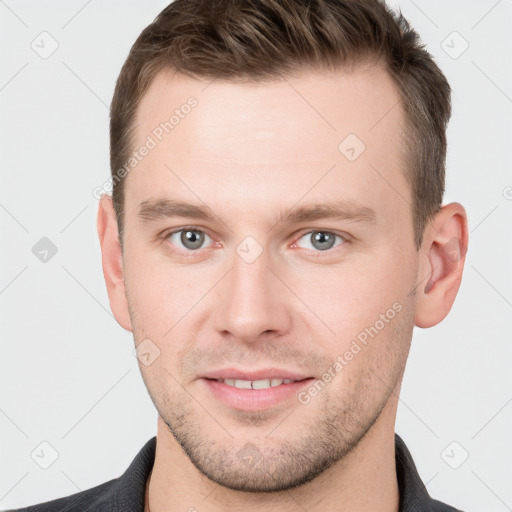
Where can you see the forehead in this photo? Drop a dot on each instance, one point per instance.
(258, 139)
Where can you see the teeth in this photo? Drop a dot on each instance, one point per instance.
(255, 384)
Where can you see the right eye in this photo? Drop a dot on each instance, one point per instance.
(190, 239)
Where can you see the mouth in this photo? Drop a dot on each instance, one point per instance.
(256, 392)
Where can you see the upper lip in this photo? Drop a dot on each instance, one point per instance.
(268, 373)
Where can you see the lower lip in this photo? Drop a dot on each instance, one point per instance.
(255, 399)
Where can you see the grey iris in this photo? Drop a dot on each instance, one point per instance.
(322, 240)
(192, 239)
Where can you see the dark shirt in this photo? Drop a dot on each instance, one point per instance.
(126, 493)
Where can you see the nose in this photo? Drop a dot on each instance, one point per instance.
(252, 301)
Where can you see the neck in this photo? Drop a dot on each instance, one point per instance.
(365, 479)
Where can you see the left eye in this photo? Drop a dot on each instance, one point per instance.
(190, 239)
(320, 240)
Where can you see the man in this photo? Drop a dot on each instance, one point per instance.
(276, 230)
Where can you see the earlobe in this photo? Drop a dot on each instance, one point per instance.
(112, 261)
(442, 263)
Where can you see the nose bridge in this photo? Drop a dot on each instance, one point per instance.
(251, 300)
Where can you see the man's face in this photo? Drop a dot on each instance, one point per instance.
(256, 289)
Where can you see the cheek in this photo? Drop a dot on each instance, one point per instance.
(352, 296)
(160, 294)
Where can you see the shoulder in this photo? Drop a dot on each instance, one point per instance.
(122, 494)
(86, 501)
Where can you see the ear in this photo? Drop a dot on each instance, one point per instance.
(112, 261)
(442, 257)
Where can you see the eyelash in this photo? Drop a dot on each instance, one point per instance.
(189, 252)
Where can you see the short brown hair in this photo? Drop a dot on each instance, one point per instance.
(258, 40)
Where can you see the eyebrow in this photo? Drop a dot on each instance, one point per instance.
(161, 209)
(346, 210)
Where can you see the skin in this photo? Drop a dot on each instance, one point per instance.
(248, 152)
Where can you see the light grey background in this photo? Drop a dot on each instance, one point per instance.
(68, 375)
